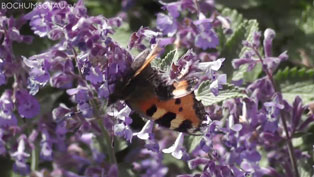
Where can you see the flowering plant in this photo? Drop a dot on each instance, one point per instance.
(55, 116)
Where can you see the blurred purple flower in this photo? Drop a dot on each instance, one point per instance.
(166, 24)
(206, 37)
(27, 105)
(87, 138)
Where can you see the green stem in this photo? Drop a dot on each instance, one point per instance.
(106, 147)
(34, 163)
(105, 136)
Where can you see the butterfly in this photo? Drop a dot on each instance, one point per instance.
(170, 105)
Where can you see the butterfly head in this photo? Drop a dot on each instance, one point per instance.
(121, 85)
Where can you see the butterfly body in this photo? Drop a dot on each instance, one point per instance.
(170, 105)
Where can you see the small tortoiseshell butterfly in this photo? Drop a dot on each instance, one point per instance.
(172, 106)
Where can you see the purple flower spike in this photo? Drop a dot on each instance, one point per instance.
(269, 35)
(27, 105)
(177, 149)
(146, 131)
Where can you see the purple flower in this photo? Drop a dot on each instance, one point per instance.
(184, 65)
(27, 105)
(173, 8)
(269, 35)
(122, 127)
(177, 149)
(20, 157)
(61, 80)
(146, 131)
(143, 34)
(87, 138)
(261, 89)
(206, 37)
(79, 94)
(7, 117)
(151, 166)
(236, 63)
(166, 24)
(46, 146)
(95, 76)
(217, 84)
(273, 62)
(197, 161)
(275, 106)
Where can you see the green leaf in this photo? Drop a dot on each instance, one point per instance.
(305, 168)
(125, 169)
(165, 63)
(250, 27)
(122, 35)
(242, 4)
(306, 22)
(191, 142)
(232, 46)
(296, 82)
(120, 144)
(207, 98)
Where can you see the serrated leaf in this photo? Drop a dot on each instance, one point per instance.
(235, 17)
(242, 30)
(296, 82)
(306, 22)
(165, 63)
(241, 73)
(191, 142)
(231, 47)
(207, 98)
